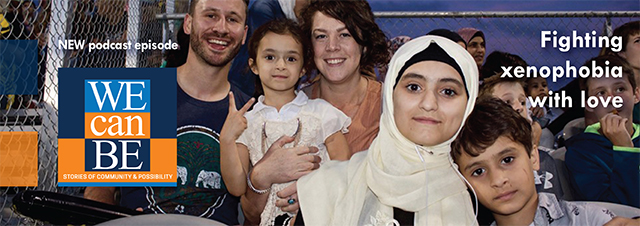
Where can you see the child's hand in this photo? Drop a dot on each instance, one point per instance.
(614, 128)
(537, 112)
(235, 123)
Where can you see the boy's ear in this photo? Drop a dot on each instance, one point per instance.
(535, 158)
(636, 95)
(253, 66)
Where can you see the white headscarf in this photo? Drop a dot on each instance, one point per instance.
(396, 173)
(392, 168)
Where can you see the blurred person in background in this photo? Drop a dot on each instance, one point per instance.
(630, 33)
(476, 46)
(453, 36)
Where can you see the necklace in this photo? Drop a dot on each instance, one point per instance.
(296, 135)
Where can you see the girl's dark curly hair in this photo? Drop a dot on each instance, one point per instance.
(358, 18)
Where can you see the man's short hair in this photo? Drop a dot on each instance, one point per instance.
(614, 60)
(192, 6)
(491, 119)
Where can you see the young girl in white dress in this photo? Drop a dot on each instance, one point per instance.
(278, 54)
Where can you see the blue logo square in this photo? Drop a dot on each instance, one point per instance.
(117, 95)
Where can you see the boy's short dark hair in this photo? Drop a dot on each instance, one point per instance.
(491, 119)
(614, 60)
(497, 59)
(491, 82)
(451, 35)
(625, 31)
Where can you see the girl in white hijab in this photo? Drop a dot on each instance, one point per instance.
(407, 175)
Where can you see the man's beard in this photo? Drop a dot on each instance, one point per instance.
(200, 49)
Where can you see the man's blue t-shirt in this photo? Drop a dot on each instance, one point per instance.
(200, 189)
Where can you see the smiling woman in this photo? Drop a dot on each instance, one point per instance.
(347, 45)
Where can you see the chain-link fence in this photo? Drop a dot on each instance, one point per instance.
(139, 21)
(48, 22)
(514, 32)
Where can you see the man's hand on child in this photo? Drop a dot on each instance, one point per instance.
(614, 128)
(283, 165)
(235, 123)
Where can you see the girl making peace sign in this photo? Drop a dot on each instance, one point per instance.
(278, 54)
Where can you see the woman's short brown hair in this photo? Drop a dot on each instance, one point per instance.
(359, 20)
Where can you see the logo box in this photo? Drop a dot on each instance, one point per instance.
(117, 127)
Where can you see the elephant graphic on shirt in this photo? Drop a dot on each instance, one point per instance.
(209, 179)
(182, 174)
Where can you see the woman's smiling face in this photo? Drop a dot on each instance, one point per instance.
(336, 53)
(429, 102)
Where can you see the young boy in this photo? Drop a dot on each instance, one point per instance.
(537, 87)
(511, 91)
(630, 33)
(499, 165)
(544, 115)
(603, 160)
